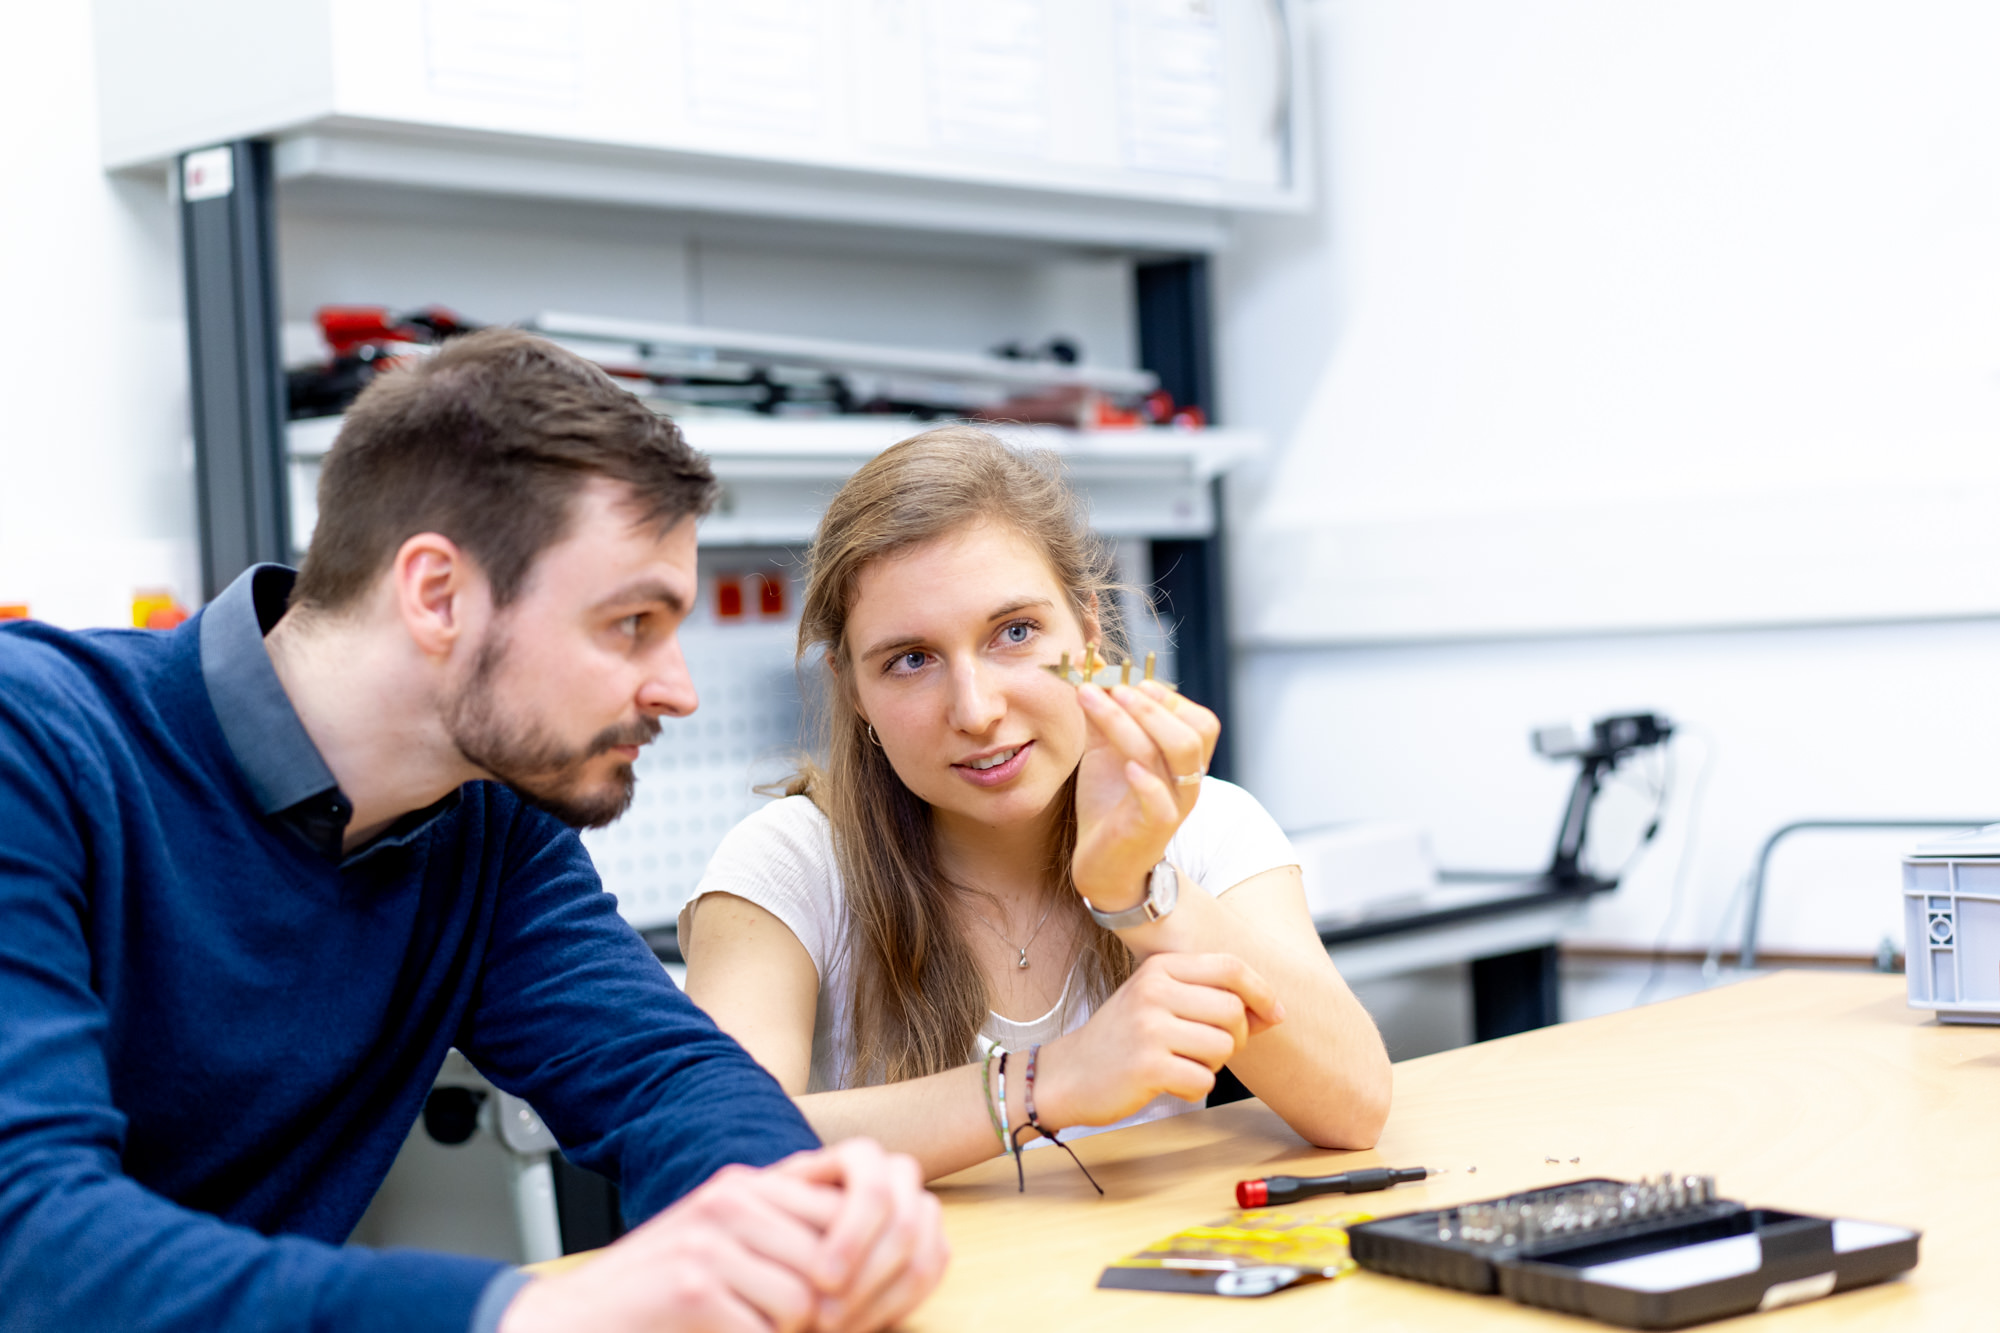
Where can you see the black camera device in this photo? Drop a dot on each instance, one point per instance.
(1600, 747)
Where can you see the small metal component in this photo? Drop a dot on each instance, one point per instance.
(1471, 1170)
(1574, 1160)
(1574, 1210)
(1553, 1161)
(1092, 666)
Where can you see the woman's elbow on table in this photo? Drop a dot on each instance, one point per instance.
(1350, 1119)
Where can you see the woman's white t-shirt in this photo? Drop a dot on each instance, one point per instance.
(781, 858)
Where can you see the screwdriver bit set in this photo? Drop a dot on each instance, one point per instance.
(1592, 1207)
(1659, 1253)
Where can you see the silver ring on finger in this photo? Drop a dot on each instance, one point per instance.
(1190, 779)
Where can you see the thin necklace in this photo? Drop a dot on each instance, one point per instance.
(1021, 949)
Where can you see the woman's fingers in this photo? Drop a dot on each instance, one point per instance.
(1168, 1028)
(1119, 845)
(1189, 1080)
(1156, 799)
(1181, 706)
(1184, 731)
(1118, 726)
(1227, 972)
(1131, 740)
(1175, 739)
(1173, 742)
(1215, 1009)
(1202, 721)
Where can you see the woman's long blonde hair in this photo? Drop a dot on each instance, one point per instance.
(917, 996)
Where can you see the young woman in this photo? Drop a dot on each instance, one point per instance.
(993, 856)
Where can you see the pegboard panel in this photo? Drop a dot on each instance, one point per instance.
(695, 782)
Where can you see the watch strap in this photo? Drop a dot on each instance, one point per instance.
(1162, 894)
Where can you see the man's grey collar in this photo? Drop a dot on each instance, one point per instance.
(270, 744)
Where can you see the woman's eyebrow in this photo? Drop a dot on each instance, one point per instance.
(1022, 604)
(889, 646)
(905, 641)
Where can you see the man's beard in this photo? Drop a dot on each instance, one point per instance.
(540, 768)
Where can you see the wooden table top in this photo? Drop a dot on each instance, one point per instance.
(1811, 1092)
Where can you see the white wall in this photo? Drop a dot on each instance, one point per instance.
(1601, 300)
(1703, 290)
(96, 466)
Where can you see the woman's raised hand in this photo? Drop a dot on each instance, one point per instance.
(1175, 1021)
(1132, 788)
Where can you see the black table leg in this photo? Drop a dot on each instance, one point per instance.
(1514, 992)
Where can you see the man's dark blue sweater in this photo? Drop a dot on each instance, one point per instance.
(216, 1029)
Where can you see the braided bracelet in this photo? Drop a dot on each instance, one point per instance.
(1035, 1123)
(986, 1095)
(1009, 1146)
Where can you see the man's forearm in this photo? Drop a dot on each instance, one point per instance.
(84, 1250)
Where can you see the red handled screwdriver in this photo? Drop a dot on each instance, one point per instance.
(1290, 1189)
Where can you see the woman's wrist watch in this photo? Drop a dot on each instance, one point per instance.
(1163, 892)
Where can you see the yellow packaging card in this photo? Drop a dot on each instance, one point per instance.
(1249, 1253)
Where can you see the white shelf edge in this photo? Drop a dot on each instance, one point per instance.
(516, 166)
(1208, 451)
(1138, 483)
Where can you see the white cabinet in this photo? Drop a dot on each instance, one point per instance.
(1118, 122)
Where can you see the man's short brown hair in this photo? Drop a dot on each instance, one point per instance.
(487, 443)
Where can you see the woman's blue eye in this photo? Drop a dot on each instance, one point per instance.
(910, 661)
(1018, 632)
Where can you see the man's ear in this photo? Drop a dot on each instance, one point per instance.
(436, 585)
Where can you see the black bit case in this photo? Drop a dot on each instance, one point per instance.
(1796, 1257)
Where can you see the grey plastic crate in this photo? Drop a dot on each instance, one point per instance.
(1951, 917)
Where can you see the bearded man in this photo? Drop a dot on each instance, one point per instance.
(259, 873)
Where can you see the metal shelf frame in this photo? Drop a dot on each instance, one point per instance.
(236, 375)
